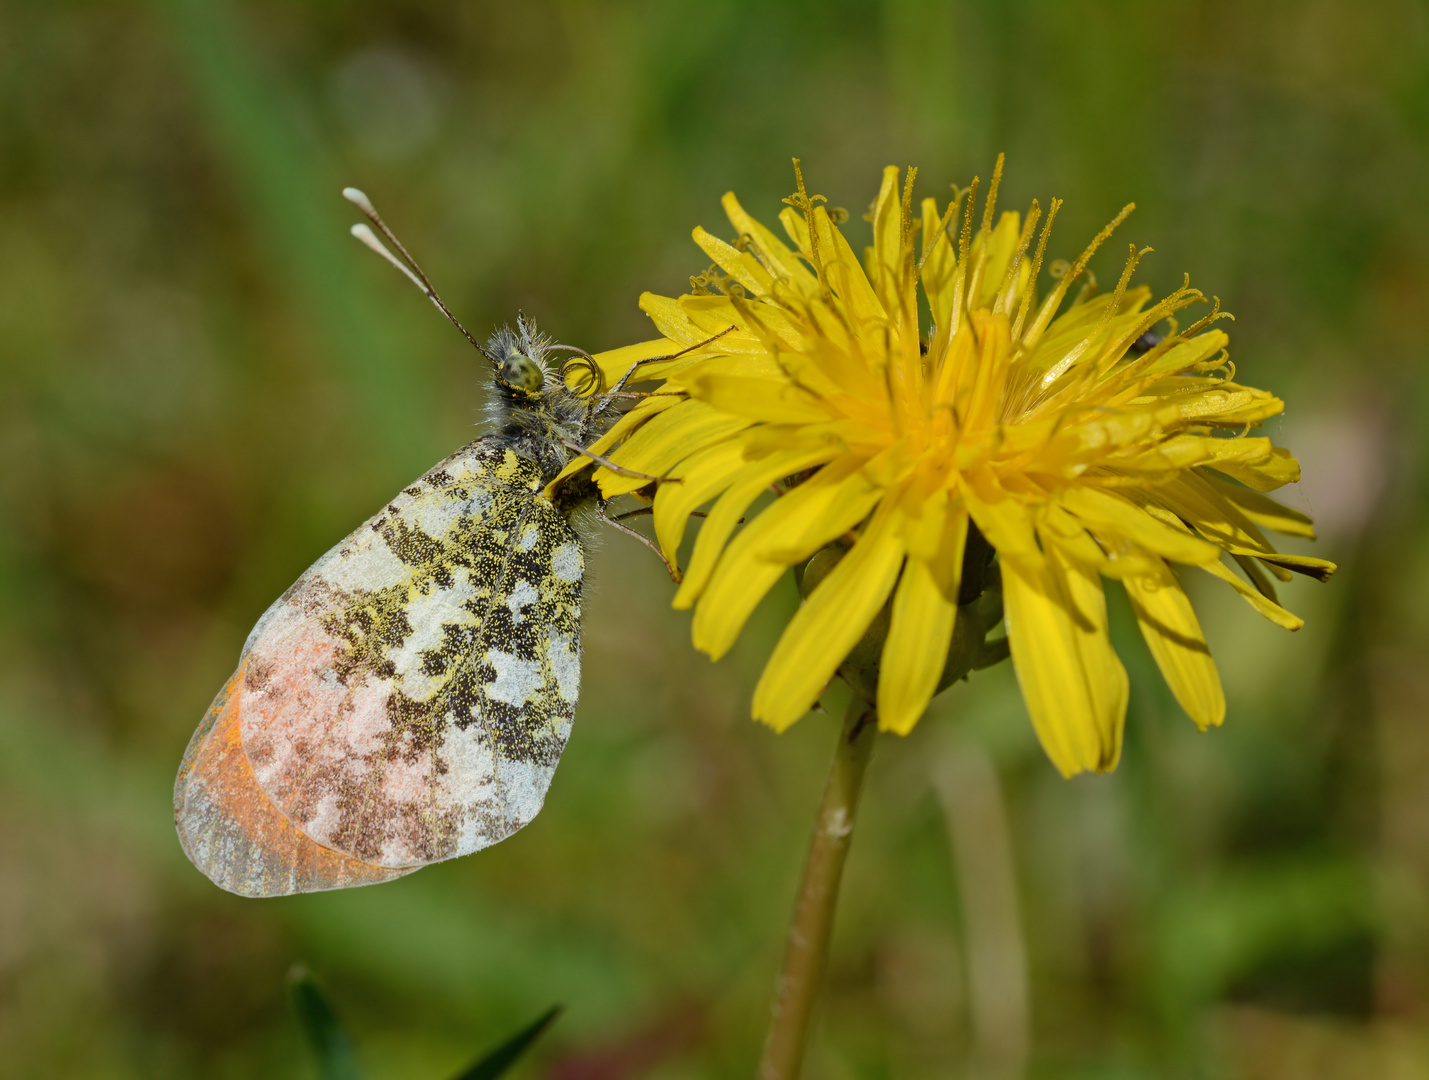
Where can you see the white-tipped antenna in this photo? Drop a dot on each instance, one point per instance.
(406, 264)
(359, 199)
(368, 237)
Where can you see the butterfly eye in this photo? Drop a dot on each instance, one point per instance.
(521, 372)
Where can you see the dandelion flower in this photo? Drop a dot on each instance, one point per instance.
(1063, 432)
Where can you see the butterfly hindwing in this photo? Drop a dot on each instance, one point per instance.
(408, 698)
(232, 832)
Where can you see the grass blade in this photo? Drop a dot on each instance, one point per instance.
(504, 1056)
(336, 1058)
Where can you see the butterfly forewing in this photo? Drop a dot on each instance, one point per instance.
(408, 698)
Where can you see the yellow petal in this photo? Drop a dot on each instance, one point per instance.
(759, 365)
(703, 475)
(885, 255)
(1074, 328)
(845, 273)
(1053, 444)
(1217, 402)
(665, 313)
(939, 263)
(1276, 469)
(1001, 247)
(959, 368)
(1188, 354)
(1073, 684)
(1001, 518)
(1319, 569)
(673, 320)
(1072, 538)
(793, 270)
(798, 229)
(760, 327)
(673, 435)
(819, 510)
(1090, 361)
(1267, 513)
(727, 602)
(1255, 462)
(1267, 607)
(623, 427)
(1192, 498)
(1107, 685)
(935, 526)
(946, 563)
(740, 265)
(1173, 634)
(775, 401)
(616, 362)
(1108, 513)
(916, 648)
(925, 508)
(995, 351)
(748, 484)
(1256, 570)
(829, 623)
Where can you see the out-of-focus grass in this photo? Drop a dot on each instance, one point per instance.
(206, 383)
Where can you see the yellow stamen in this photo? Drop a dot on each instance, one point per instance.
(1009, 279)
(805, 205)
(992, 194)
(1031, 289)
(964, 242)
(1054, 299)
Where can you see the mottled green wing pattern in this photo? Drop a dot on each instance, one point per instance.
(408, 698)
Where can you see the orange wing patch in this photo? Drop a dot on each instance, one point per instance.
(232, 831)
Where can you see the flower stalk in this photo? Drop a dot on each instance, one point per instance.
(809, 931)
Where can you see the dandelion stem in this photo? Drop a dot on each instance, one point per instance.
(809, 932)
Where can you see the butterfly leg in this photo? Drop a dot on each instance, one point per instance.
(617, 468)
(641, 511)
(672, 356)
(603, 508)
(601, 400)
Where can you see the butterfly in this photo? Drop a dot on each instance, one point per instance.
(407, 699)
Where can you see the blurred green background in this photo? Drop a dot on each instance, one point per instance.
(206, 383)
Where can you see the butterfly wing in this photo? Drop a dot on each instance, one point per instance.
(407, 700)
(233, 833)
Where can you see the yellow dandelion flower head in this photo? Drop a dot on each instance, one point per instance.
(1059, 429)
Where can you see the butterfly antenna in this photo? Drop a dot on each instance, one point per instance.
(407, 265)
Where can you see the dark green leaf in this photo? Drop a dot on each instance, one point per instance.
(504, 1056)
(330, 1043)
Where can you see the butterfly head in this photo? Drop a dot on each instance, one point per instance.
(519, 372)
(519, 357)
(545, 415)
